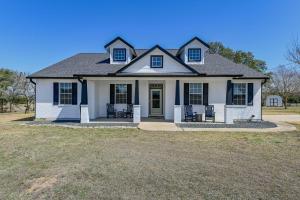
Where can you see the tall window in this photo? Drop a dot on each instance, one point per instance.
(121, 93)
(194, 55)
(156, 61)
(239, 94)
(196, 93)
(119, 54)
(65, 93)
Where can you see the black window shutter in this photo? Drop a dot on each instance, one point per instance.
(186, 88)
(205, 94)
(112, 94)
(129, 94)
(229, 93)
(250, 94)
(55, 93)
(74, 94)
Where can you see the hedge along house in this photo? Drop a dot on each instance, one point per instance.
(158, 81)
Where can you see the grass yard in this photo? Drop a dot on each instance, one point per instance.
(281, 110)
(38, 162)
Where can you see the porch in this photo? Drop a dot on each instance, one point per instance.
(162, 97)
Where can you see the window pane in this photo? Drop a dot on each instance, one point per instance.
(65, 93)
(119, 54)
(121, 93)
(156, 61)
(194, 55)
(239, 93)
(196, 99)
(196, 92)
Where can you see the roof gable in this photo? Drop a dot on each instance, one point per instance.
(116, 39)
(190, 41)
(144, 66)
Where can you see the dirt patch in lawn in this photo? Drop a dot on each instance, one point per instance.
(41, 183)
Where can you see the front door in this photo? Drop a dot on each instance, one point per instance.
(156, 102)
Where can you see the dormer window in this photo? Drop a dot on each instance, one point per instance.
(119, 54)
(194, 55)
(156, 61)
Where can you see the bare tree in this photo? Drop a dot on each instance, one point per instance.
(26, 90)
(285, 82)
(13, 91)
(293, 53)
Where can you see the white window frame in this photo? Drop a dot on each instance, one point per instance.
(121, 93)
(154, 62)
(195, 93)
(190, 53)
(118, 54)
(246, 94)
(59, 93)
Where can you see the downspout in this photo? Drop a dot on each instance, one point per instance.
(34, 83)
(261, 99)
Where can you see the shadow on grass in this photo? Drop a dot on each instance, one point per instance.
(25, 119)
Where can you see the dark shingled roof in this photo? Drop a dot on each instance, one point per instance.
(98, 64)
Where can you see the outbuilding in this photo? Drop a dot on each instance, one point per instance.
(274, 101)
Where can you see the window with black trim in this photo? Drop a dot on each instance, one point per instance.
(156, 61)
(119, 54)
(239, 94)
(194, 55)
(65, 93)
(121, 93)
(196, 93)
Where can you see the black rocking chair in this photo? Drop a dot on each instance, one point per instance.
(189, 114)
(110, 110)
(129, 111)
(210, 113)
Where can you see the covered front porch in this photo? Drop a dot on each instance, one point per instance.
(151, 98)
(114, 99)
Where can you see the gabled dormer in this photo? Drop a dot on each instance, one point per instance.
(193, 51)
(120, 51)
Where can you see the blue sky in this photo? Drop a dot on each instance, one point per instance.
(35, 34)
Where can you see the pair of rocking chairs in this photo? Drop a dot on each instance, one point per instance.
(189, 115)
(111, 111)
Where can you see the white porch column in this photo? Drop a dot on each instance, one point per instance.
(177, 114)
(84, 114)
(136, 113)
(177, 106)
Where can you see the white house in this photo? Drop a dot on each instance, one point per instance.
(159, 82)
(274, 101)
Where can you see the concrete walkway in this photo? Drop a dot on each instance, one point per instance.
(280, 121)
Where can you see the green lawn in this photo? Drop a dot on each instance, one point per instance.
(281, 110)
(39, 162)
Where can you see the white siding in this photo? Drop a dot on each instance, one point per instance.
(44, 101)
(169, 65)
(193, 44)
(98, 97)
(120, 44)
(103, 95)
(234, 112)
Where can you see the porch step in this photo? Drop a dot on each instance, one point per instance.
(158, 126)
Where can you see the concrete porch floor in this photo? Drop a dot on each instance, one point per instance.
(111, 120)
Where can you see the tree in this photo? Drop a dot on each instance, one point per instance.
(239, 57)
(293, 53)
(285, 82)
(26, 90)
(6, 79)
(13, 90)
